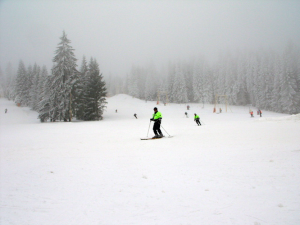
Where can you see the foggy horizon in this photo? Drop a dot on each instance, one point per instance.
(119, 34)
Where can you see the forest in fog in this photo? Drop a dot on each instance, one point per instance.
(267, 79)
(64, 93)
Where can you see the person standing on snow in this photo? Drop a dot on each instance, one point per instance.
(157, 117)
(251, 113)
(135, 115)
(260, 113)
(197, 119)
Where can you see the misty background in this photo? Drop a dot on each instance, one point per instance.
(188, 51)
(122, 33)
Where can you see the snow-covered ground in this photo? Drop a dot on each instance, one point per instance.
(232, 170)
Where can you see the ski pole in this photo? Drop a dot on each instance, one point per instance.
(148, 128)
(202, 122)
(165, 130)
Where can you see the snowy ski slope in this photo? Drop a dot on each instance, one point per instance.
(232, 170)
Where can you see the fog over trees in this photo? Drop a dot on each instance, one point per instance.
(266, 79)
(183, 51)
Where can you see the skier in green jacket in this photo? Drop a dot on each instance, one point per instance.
(157, 117)
(197, 119)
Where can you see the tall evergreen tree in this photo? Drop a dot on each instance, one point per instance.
(198, 81)
(34, 90)
(9, 82)
(179, 87)
(95, 93)
(65, 76)
(45, 95)
(21, 85)
(278, 75)
(81, 88)
(290, 93)
(133, 83)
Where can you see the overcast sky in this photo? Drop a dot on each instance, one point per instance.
(121, 33)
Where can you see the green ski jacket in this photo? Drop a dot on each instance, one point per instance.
(157, 116)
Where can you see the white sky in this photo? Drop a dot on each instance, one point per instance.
(121, 33)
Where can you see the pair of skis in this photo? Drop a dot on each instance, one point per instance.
(153, 138)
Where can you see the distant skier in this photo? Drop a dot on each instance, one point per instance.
(5, 110)
(251, 113)
(135, 115)
(116, 110)
(188, 107)
(197, 119)
(260, 113)
(157, 117)
(186, 114)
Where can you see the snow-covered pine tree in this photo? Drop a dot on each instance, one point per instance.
(110, 85)
(79, 95)
(148, 92)
(170, 80)
(95, 93)
(64, 77)
(232, 82)
(141, 81)
(209, 85)
(34, 91)
(44, 93)
(42, 79)
(257, 82)
(198, 81)
(9, 80)
(187, 70)
(179, 91)
(152, 82)
(133, 82)
(289, 88)
(220, 74)
(242, 95)
(21, 87)
(269, 79)
(276, 90)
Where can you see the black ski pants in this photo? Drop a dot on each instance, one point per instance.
(198, 122)
(156, 128)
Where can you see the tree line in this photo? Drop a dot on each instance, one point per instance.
(62, 95)
(265, 79)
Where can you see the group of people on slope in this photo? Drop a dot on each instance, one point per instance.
(157, 117)
(259, 112)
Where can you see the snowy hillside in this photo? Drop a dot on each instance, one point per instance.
(232, 170)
